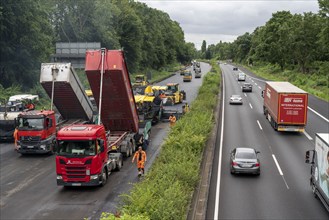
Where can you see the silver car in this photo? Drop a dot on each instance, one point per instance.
(244, 160)
(236, 99)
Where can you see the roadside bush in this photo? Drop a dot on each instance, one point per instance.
(316, 83)
(167, 189)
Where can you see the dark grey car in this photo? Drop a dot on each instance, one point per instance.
(245, 160)
(246, 87)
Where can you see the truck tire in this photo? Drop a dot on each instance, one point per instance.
(119, 165)
(104, 177)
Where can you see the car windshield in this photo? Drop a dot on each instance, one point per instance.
(32, 124)
(76, 148)
(245, 155)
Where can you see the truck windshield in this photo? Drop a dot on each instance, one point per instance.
(76, 148)
(30, 124)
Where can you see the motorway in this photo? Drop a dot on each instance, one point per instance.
(282, 191)
(28, 187)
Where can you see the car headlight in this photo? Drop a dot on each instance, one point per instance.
(43, 146)
(59, 177)
(94, 177)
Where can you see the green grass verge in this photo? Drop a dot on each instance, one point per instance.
(316, 84)
(167, 189)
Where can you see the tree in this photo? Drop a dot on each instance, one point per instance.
(26, 41)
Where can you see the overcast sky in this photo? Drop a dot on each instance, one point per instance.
(225, 20)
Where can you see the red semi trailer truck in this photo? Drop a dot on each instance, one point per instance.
(88, 153)
(285, 106)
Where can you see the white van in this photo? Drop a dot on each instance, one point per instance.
(242, 77)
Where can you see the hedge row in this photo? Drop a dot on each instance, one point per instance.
(167, 189)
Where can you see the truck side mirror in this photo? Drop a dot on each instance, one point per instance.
(16, 123)
(263, 93)
(49, 122)
(307, 157)
(55, 144)
(101, 145)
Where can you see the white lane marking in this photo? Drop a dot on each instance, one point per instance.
(259, 87)
(250, 105)
(245, 94)
(280, 171)
(307, 135)
(256, 84)
(260, 127)
(252, 80)
(321, 116)
(277, 164)
(219, 168)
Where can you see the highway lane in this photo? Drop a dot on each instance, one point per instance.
(28, 183)
(282, 190)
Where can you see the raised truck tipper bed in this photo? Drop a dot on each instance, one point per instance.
(87, 154)
(37, 129)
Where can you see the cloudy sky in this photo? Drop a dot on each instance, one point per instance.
(225, 20)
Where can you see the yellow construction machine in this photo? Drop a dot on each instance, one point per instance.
(148, 103)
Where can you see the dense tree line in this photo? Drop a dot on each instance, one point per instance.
(30, 28)
(288, 40)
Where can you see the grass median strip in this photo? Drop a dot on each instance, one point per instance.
(167, 189)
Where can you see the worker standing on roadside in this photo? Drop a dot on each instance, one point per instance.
(172, 120)
(15, 135)
(186, 108)
(140, 157)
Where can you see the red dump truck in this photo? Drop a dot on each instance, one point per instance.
(88, 153)
(285, 106)
(37, 129)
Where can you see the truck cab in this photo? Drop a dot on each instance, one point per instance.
(36, 131)
(82, 157)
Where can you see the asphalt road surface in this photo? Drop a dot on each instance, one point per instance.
(282, 191)
(28, 187)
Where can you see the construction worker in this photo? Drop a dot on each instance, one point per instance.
(172, 120)
(30, 105)
(15, 135)
(186, 108)
(140, 157)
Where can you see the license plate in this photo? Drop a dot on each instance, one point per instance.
(30, 147)
(76, 184)
(246, 165)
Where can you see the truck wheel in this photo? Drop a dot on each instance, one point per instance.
(130, 149)
(119, 165)
(104, 177)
